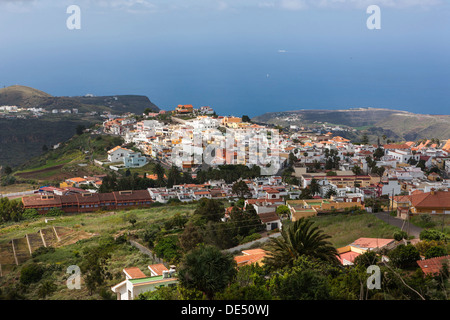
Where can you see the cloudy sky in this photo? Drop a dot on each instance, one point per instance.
(235, 55)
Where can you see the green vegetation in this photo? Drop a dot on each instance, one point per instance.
(207, 269)
(300, 238)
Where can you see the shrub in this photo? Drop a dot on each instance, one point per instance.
(400, 235)
(435, 251)
(432, 234)
(251, 237)
(54, 212)
(423, 246)
(30, 214)
(404, 256)
(42, 250)
(31, 273)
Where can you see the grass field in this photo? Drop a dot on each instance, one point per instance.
(344, 229)
(104, 225)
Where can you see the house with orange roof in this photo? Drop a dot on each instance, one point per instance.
(157, 269)
(434, 266)
(446, 146)
(348, 254)
(117, 154)
(184, 109)
(251, 256)
(399, 146)
(227, 121)
(133, 273)
(434, 202)
(136, 282)
(75, 182)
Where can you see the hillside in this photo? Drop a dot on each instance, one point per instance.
(22, 139)
(27, 97)
(395, 124)
(72, 158)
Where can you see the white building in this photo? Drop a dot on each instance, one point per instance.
(118, 153)
(134, 160)
(136, 282)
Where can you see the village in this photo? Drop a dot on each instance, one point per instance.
(302, 174)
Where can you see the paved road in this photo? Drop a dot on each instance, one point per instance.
(405, 226)
(248, 244)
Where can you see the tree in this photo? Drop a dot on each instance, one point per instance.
(31, 273)
(80, 129)
(209, 210)
(357, 170)
(366, 259)
(245, 221)
(94, 266)
(246, 118)
(400, 235)
(436, 251)
(207, 269)
(292, 158)
(191, 237)
(314, 187)
(46, 288)
(301, 285)
(365, 139)
(173, 177)
(300, 238)
(331, 192)
(404, 256)
(158, 169)
(168, 249)
(7, 170)
(283, 211)
(241, 189)
(432, 234)
(378, 153)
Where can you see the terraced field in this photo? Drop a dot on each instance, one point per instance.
(49, 237)
(35, 241)
(21, 249)
(7, 260)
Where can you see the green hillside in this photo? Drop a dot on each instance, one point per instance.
(22, 139)
(394, 124)
(73, 158)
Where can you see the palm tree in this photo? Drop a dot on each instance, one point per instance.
(300, 238)
(158, 169)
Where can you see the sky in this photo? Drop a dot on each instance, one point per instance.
(237, 56)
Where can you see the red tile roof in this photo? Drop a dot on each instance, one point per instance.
(268, 217)
(396, 146)
(433, 265)
(158, 268)
(134, 273)
(371, 243)
(250, 256)
(349, 256)
(438, 200)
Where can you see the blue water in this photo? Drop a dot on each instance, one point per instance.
(234, 63)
